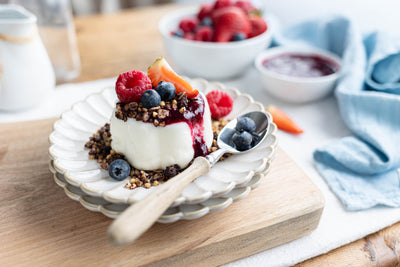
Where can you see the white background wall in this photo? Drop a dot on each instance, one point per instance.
(368, 14)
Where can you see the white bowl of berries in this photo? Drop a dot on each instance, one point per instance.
(215, 41)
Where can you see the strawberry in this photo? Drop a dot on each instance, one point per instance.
(205, 11)
(188, 24)
(131, 85)
(222, 3)
(160, 70)
(283, 121)
(228, 21)
(204, 34)
(258, 26)
(220, 102)
(246, 6)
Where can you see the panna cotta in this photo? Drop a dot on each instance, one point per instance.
(160, 123)
(183, 135)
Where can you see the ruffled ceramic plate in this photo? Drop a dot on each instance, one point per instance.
(184, 211)
(70, 158)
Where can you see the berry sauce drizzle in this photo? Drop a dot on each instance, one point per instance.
(193, 117)
(301, 65)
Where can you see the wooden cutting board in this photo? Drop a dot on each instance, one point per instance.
(40, 225)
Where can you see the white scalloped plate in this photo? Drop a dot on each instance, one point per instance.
(75, 126)
(173, 214)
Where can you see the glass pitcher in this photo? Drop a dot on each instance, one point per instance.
(56, 27)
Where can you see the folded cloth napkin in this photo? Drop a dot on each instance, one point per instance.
(362, 170)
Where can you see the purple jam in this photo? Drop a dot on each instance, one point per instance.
(193, 116)
(301, 65)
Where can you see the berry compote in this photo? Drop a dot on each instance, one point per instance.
(297, 65)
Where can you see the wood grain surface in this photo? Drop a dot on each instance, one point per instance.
(40, 225)
(112, 44)
(378, 249)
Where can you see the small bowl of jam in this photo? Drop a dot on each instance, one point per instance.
(298, 75)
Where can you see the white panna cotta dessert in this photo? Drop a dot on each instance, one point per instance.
(175, 139)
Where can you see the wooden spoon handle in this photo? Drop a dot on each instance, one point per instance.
(139, 217)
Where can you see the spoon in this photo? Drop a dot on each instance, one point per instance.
(140, 216)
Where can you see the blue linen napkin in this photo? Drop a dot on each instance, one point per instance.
(362, 170)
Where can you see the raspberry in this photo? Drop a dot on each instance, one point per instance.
(222, 3)
(247, 6)
(205, 34)
(131, 85)
(205, 11)
(188, 24)
(220, 102)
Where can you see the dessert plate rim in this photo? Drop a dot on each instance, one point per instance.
(196, 210)
(257, 166)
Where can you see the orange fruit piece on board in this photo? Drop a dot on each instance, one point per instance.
(160, 70)
(283, 121)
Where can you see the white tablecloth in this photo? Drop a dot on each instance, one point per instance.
(321, 123)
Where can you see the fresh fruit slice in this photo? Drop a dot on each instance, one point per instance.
(258, 26)
(220, 102)
(160, 70)
(131, 85)
(283, 121)
(228, 21)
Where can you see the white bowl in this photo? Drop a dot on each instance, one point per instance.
(208, 59)
(297, 89)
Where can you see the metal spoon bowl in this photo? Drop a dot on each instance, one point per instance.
(139, 217)
(224, 139)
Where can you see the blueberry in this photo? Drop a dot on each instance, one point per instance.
(178, 33)
(256, 139)
(119, 169)
(166, 90)
(207, 21)
(238, 37)
(245, 124)
(150, 98)
(242, 140)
